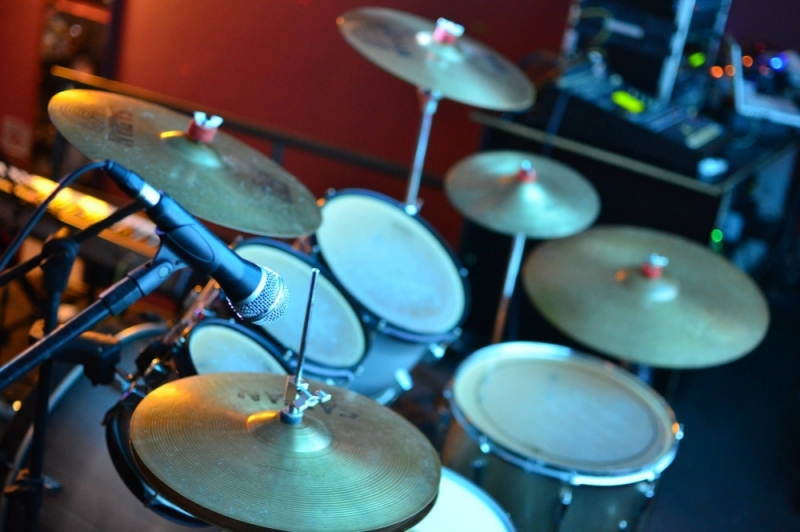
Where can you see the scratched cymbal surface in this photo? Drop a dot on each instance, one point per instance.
(466, 71)
(215, 446)
(225, 181)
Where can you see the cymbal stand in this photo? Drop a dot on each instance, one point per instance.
(512, 272)
(296, 396)
(429, 102)
(138, 283)
(526, 173)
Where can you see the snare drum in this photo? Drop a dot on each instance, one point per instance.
(395, 265)
(463, 506)
(563, 441)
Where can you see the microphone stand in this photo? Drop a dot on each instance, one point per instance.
(138, 283)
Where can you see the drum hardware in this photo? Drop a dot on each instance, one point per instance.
(685, 307)
(441, 62)
(221, 180)
(264, 438)
(524, 195)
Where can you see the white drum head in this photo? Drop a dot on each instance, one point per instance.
(216, 348)
(570, 411)
(463, 506)
(391, 263)
(335, 334)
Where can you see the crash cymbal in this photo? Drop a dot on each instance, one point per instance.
(603, 288)
(514, 192)
(215, 446)
(461, 69)
(224, 181)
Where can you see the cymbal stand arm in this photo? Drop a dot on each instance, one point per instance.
(512, 272)
(429, 100)
(296, 395)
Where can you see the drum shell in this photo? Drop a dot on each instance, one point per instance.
(603, 494)
(374, 321)
(534, 501)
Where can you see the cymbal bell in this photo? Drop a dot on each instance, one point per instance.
(215, 445)
(463, 70)
(684, 307)
(223, 181)
(514, 192)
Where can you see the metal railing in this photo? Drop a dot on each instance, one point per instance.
(280, 139)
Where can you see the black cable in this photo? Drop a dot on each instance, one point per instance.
(42, 208)
(81, 236)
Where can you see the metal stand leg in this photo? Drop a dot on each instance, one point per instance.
(430, 101)
(514, 263)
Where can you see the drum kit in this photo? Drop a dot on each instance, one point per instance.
(217, 424)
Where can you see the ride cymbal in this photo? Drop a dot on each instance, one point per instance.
(514, 192)
(647, 297)
(215, 446)
(459, 68)
(223, 181)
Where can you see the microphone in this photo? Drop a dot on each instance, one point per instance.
(255, 293)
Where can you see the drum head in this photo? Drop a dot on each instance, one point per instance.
(572, 412)
(336, 337)
(461, 505)
(219, 347)
(391, 263)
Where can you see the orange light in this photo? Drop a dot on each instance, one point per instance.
(730, 70)
(747, 61)
(716, 72)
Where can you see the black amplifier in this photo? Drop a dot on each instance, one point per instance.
(605, 112)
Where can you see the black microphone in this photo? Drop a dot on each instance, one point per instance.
(255, 293)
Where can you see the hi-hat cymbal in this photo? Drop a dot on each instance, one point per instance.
(514, 192)
(599, 287)
(465, 70)
(215, 446)
(225, 181)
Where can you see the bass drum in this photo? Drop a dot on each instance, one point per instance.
(410, 283)
(92, 496)
(563, 441)
(463, 506)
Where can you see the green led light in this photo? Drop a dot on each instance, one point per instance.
(697, 59)
(627, 101)
(716, 235)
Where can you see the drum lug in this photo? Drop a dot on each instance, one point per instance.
(483, 443)
(381, 325)
(403, 379)
(565, 497)
(478, 470)
(288, 354)
(156, 374)
(359, 371)
(437, 351)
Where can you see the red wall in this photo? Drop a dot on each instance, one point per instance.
(284, 63)
(20, 23)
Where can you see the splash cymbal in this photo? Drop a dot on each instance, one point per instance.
(461, 69)
(684, 307)
(215, 446)
(223, 181)
(515, 192)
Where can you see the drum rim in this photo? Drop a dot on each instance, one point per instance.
(574, 476)
(379, 323)
(481, 494)
(360, 311)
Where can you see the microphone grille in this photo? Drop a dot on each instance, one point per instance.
(267, 304)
